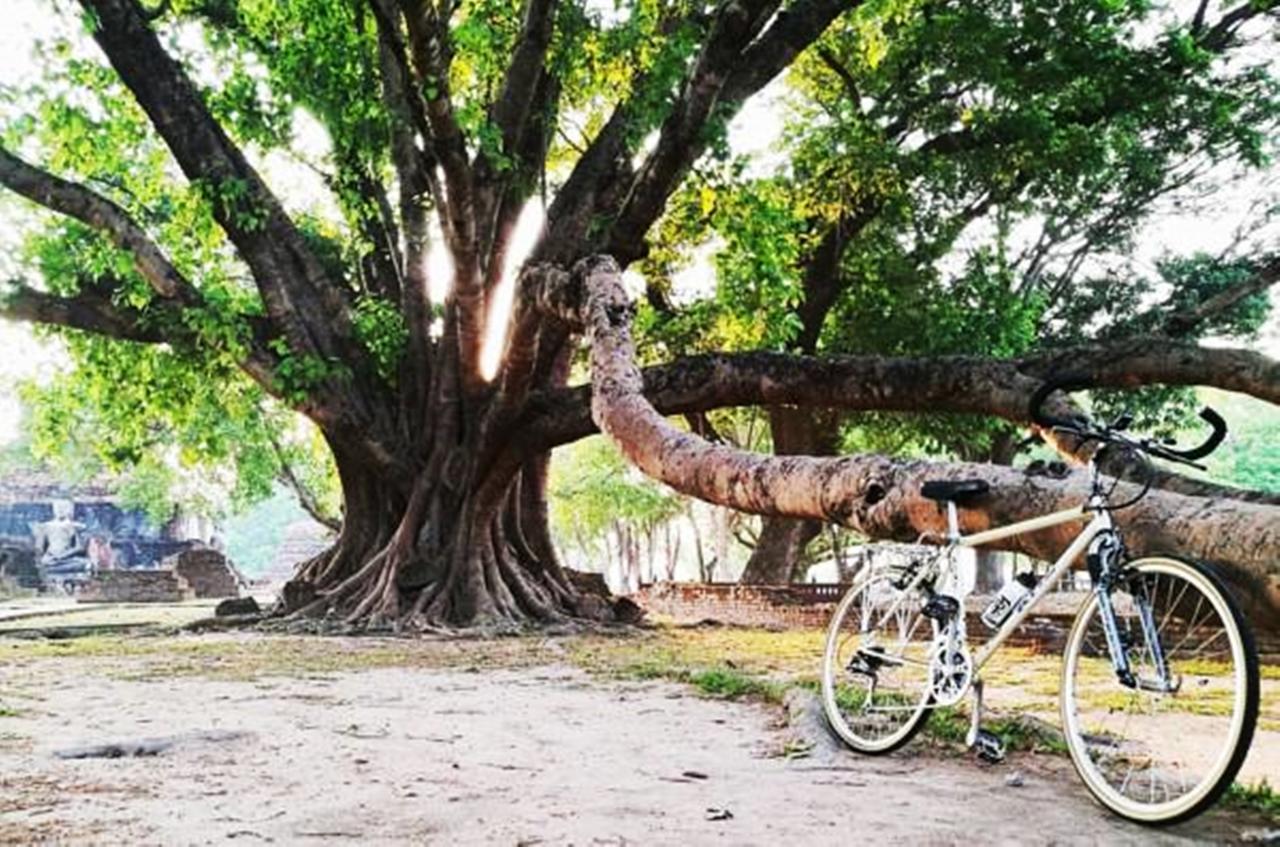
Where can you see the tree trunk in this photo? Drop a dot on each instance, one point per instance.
(779, 553)
(455, 548)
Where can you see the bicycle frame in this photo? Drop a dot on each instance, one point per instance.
(1101, 523)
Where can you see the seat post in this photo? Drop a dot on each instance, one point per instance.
(953, 522)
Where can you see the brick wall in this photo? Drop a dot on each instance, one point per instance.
(811, 606)
(207, 572)
(140, 586)
(788, 606)
(807, 606)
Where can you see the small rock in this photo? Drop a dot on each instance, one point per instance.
(237, 606)
(694, 774)
(1015, 780)
(1261, 836)
(146, 746)
(714, 814)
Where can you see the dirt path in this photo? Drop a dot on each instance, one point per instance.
(542, 755)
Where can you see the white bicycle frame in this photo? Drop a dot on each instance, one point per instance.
(1100, 524)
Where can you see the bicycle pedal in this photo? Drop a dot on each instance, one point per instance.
(988, 747)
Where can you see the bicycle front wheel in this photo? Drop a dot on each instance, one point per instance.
(1163, 746)
(876, 665)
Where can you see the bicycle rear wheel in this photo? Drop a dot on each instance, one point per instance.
(1164, 748)
(875, 669)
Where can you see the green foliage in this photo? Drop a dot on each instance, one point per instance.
(917, 118)
(1259, 797)
(170, 430)
(592, 487)
(382, 330)
(269, 72)
(1250, 458)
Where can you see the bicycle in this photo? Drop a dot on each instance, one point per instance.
(1157, 637)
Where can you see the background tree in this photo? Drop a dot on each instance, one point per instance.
(922, 140)
(614, 515)
(441, 121)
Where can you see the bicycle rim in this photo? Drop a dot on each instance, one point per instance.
(1160, 756)
(875, 670)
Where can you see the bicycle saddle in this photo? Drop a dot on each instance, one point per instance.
(956, 491)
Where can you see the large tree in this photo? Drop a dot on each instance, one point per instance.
(443, 120)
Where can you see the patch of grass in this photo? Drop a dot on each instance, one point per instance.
(9, 712)
(1259, 797)
(950, 725)
(792, 655)
(732, 684)
(722, 662)
(721, 681)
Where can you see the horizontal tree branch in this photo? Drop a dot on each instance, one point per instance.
(98, 212)
(87, 312)
(956, 384)
(880, 496)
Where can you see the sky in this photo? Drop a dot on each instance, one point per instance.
(24, 357)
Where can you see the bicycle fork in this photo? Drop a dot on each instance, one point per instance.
(1102, 559)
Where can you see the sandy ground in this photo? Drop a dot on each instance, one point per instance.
(541, 755)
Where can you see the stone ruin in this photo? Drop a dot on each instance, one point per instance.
(209, 573)
(140, 586)
(79, 540)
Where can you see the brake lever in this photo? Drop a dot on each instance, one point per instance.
(1160, 453)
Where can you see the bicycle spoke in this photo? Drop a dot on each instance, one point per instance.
(1156, 748)
(877, 687)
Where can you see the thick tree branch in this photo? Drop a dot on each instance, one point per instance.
(98, 212)
(429, 49)
(93, 310)
(418, 186)
(792, 31)
(512, 110)
(310, 308)
(1141, 361)
(428, 28)
(1183, 323)
(87, 311)
(736, 61)
(876, 495)
(957, 384)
